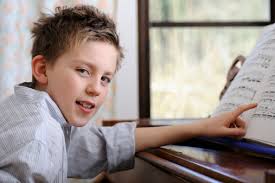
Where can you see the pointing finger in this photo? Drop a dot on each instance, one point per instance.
(240, 123)
(243, 108)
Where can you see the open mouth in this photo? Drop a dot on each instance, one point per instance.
(86, 105)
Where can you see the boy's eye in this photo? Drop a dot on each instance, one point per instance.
(83, 72)
(105, 80)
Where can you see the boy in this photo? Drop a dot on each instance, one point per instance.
(75, 55)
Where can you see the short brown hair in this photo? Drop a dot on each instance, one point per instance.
(67, 27)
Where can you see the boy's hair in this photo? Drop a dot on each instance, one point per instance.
(70, 26)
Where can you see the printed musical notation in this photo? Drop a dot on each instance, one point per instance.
(260, 60)
(271, 80)
(225, 107)
(236, 96)
(268, 47)
(265, 110)
(254, 76)
(267, 39)
(268, 42)
(266, 102)
(255, 82)
(242, 92)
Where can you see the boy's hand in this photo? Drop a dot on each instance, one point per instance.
(211, 127)
(227, 124)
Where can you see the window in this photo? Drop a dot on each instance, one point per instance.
(186, 48)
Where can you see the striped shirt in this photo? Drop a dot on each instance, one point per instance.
(38, 145)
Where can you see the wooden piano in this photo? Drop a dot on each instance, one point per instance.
(197, 162)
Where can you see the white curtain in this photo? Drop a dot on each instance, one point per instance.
(16, 17)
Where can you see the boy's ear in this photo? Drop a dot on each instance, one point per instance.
(39, 69)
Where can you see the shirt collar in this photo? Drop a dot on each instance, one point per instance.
(26, 91)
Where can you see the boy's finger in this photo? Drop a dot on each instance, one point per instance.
(240, 123)
(243, 108)
(235, 132)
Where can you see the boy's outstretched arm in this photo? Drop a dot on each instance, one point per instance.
(216, 126)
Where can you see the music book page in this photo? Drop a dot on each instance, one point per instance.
(255, 82)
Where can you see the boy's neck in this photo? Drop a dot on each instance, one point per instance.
(39, 87)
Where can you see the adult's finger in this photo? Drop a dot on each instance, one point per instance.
(243, 108)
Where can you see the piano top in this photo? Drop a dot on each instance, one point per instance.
(211, 162)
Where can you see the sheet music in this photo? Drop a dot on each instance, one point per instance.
(247, 82)
(255, 82)
(262, 120)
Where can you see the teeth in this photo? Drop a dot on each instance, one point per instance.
(89, 106)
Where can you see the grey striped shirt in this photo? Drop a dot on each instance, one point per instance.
(37, 144)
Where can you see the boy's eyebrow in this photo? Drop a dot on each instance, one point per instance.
(92, 66)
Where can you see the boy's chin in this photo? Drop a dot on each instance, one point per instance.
(78, 124)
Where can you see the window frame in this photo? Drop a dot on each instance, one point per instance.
(144, 45)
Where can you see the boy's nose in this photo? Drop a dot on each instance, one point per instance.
(93, 88)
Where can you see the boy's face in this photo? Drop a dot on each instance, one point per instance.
(79, 80)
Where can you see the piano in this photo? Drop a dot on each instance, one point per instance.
(192, 161)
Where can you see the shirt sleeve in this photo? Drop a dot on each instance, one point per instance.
(30, 163)
(95, 149)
